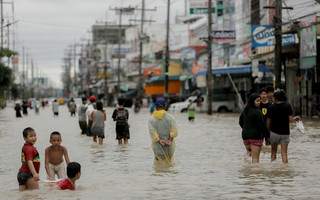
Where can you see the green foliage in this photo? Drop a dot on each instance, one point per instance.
(5, 76)
(5, 52)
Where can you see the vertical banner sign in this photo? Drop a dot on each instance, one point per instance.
(308, 47)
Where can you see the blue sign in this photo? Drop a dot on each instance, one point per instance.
(263, 35)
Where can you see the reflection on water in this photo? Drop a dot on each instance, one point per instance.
(208, 161)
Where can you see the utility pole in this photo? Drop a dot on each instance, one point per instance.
(127, 11)
(278, 46)
(277, 21)
(2, 24)
(74, 66)
(166, 73)
(23, 76)
(32, 82)
(209, 48)
(142, 38)
(106, 64)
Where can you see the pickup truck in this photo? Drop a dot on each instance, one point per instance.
(217, 106)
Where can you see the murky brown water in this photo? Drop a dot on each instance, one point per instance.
(208, 161)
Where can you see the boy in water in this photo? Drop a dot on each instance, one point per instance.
(28, 175)
(54, 157)
(121, 116)
(74, 173)
(264, 106)
(191, 111)
(270, 92)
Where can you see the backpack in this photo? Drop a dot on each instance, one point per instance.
(121, 117)
(72, 107)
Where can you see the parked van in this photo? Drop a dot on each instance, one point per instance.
(218, 105)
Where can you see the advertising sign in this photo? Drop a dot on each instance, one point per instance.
(224, 35)
(201, 6)
(188, 55)
(308, 47)
(263, 35)
(122, 51)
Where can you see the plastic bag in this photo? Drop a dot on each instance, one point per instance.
(300, 126)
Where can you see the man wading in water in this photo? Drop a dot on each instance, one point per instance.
(163, 130)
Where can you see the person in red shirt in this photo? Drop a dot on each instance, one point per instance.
(74, 173)
(28, 175)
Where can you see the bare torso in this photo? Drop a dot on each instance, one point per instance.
(55, 155)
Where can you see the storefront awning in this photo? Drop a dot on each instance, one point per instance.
(161, 78)
(185, 77)
(239, 69)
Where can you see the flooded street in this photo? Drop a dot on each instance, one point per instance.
(208, 160)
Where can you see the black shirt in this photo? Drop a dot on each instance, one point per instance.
(252, 124)
(279, 115)
(264, 110)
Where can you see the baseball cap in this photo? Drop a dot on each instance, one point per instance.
(92, 99)
(160, 101)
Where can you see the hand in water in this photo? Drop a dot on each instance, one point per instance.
(51, 179)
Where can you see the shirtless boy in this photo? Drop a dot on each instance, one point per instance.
(54, 157)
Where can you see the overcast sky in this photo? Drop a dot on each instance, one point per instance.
(47, 27)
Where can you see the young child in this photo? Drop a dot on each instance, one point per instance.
(121, 116)
(54, 157)
(191, 111)
(28, 175)
(74, 173)
(98, 119)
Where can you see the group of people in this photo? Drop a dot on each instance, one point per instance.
(162, 130)
(24, 107)
(266, 116)
(28, 175)
(97, 117)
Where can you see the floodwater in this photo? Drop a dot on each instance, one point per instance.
(208, 160)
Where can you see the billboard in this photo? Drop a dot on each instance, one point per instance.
(224, 35)
(308, 47)
(263, 35)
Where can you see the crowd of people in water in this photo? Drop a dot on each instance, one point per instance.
(266, 117)
(264, 121)
(91, 117)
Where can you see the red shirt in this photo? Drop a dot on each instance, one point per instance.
(65, 184)
(29, 152)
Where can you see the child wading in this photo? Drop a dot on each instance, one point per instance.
(28, 175)
(121, 116)
(191, 111)
(74, 173)
(54, 157)
(98, 119)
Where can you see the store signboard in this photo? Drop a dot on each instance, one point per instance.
(201, 7)
(263, 35)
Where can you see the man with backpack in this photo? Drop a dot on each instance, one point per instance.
(120, 116)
